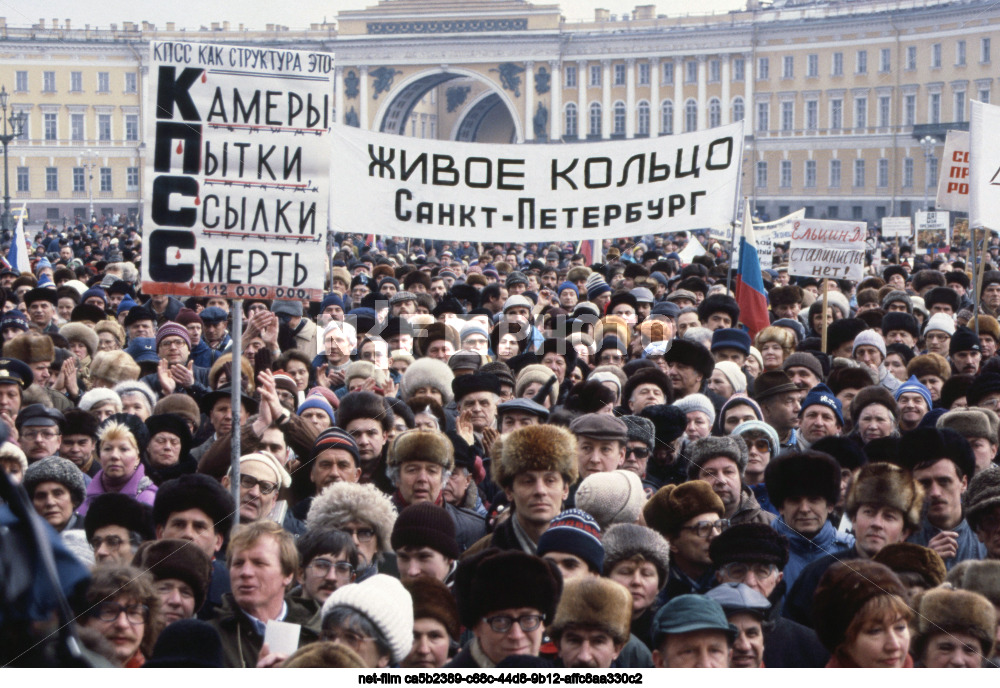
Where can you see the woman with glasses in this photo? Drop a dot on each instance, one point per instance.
(120, 444)
(762, 446)
(124, 608)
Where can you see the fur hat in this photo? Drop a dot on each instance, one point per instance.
(432, 599)
(850, 377)
(785, 296)
(363, 405)
(719, 303)
(31, 347)
(692, 354)
(749, 543)
(422, 445)
(669, 421)
(626, 540)
(536, 372)
(839, 332)
(537, 448)
(57, 470)
(343, 502)
(842, 592)
(323, 654)
(672, 505)
(195, 491)
(493, 580)
(808, 474)
(176, 559)
(427, 372)
(611, 497)
(982, 496)
(944, 610)
(929, 445)
(883, 484)
(971, 423)
(181, 405)
(594, 603)
(987, 325)
(978, 576)
(75, 331)
(114, 367)
(640, 430)
(385, 602)
(907, 557)
(644, 376)
(707, 448)
(115, 508)
(929, 364)
(873, 394)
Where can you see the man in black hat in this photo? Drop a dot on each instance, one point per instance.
(719, 311)
(169, 448)
(15, 377)
(218, 406)
(519, 413)
(364, 416)
(215, 329)
(79, 440)
(116, 525)
(689, 367)
(780, 401)
(965, 351)
(41, 304)
(39, 431)
(181, 574)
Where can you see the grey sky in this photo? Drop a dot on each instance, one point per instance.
(256, 13)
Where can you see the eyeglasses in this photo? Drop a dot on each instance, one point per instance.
(362, 534)
(989, 403)
(759, 445)
(112, 541)
(39, 434)
(135, 614)
(639, 452)
(703, 528)
(349, 638)
(248, 482)
(503, 623)
(739, 570)
(343, 568)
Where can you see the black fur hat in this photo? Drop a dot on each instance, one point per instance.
(809, 474)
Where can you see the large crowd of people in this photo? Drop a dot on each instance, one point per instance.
(479, 456)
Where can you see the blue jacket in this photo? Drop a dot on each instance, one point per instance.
(203, 355)
(969, 546)
(802, 551)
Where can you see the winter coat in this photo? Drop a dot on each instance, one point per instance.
(788, 644)
(969, 546)
(802, 550)
(198, 388)
(503, 537)
(749, 510)
(241, 642)
(139, 487)
(798, 603)
(203, 355)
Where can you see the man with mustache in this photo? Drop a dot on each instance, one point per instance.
(261, 477)
(592, 623)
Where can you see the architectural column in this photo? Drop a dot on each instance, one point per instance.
(630, 98)
(725, 89)
(605, 99)
(529, 101)
(363, 95)
(582, 115)
(678, 95)
(702, 92)
(555, 111)
(749, 108)
(338, 95)
(654, 97)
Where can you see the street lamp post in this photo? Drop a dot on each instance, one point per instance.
(16, 128)
(928, 143)
(90, 184)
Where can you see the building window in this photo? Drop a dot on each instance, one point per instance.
(833, 211)
(984, 50)
(691, 72)
(810, 176)
(571, 119)
(619, 75)
(857, 212)
(691, 115)
(812, 65)
(763, 69)
(104, 127)
(838, 64)
(738, 110)
(76, 126)
(883, 173)
(934, 114)
(132, 179)
(79, 180)
(907, 173)
(786, 174)
(643, 73)
(131, 127)
(619, 119)
(788, 67)
(51, 131)
(932, 176)
(642, 119)
(22, 180)
(984, 95)
(132, 84)
(909, 109)
(760, 178)
(884, 110)
(960, 54)
(668, 72)
(104, 82)
(959, 106)
(667, 117)
(835, 174)
(715, 71)
(570, 77)
(812, 114)
(763, 112)
(105, 179)
(836, 113)
(76, 81)
(714, 113)
(862, 66)
(859, 174)
(21, 81)
(51, 178)
(860, 113)
(936, 56)
(48, 82)
(787, 115)
(595, 120)
(595, 75)
(739, 67)
(911, 57)
(885, 60)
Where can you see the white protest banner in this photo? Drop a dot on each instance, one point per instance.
(827, 248)
(765, 251)
(546, 192)
(896, 227)
(984, 169)
(953, 180)
(237, 171)
(721, 233)
(692, 250)
(780, 229)
(933, 230)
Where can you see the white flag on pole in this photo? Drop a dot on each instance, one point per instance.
(984, 167)
(18, 255)
(692, 250)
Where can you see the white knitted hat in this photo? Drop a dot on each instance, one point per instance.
(697, 402)
(870, 338)
(735, 376)
(611, 497)
(386, 603)
(941, 322)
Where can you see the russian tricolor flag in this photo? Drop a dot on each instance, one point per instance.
(18, 257)
(749, 285)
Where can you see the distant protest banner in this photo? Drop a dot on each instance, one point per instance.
(984, 167)
(237, 172)
(901, 227)
(780, 229)
(545, 192)
(827, 248)
(933, 230)
(953, 180)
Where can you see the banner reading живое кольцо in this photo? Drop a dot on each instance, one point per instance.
(237, 173)
(475, 192)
